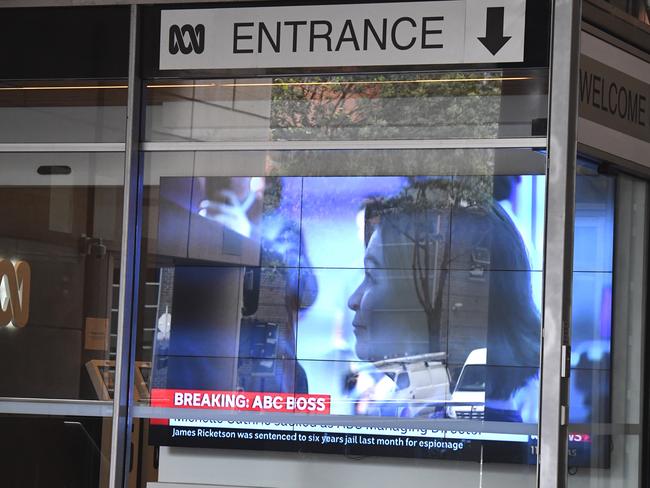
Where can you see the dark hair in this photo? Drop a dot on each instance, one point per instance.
(477, 242)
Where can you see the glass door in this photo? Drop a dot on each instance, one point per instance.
(608, 330)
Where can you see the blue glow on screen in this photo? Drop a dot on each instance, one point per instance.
(330, 245)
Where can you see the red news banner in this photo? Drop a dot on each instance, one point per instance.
(240, 400)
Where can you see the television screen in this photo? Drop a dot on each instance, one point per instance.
(376, 298)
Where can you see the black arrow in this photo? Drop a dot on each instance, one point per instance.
(494, 39)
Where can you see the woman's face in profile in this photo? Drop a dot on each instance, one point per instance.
(389, 320)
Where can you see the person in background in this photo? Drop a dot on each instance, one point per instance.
(438, 242)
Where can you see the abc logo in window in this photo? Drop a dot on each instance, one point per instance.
(15, 282)
(186, 39)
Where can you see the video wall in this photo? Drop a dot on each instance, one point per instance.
(378, 296)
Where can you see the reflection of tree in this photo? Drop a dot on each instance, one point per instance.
(382, 107)
(392, 107)
(397, 106)
(319, 109)
(419, 214)
(285, 267)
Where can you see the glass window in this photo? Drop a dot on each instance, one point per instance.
(339, 282)
(477, 104)
(607, 329)
(60, 248)
(636, 8)
(66, 451)
(472, 378)
(63, 111)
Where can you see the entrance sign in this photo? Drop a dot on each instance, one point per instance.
(416, 33)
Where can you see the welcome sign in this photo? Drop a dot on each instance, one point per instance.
(614, 100)
(415, 33)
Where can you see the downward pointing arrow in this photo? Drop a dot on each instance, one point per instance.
(494, 39)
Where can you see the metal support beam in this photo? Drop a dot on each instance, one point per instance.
(372, 144)
(129, 271)
(70, 147)
(558, 275)
(59, 407)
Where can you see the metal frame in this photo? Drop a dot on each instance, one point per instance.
(617, 22)
(69, 147)
(614, 41)
(511, 143)
(556, 326)
(78, 3)
(39, 406)
(644, 438)
(561, 142)
(622, 165)
(129, 272)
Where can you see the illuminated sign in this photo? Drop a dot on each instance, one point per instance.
(15, 281)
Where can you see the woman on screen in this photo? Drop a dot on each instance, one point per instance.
(446, 272)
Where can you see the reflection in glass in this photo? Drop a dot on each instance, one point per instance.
(68, 228)
(54, 451)
(486, 104)
(591, 335)
(609, 302)
(472, 378)
(63, 111)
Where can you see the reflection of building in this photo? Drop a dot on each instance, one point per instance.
(269, 346)
(52, 229)
(107, 159)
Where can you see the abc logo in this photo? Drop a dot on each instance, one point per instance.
(194, 35)
(15, 280)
